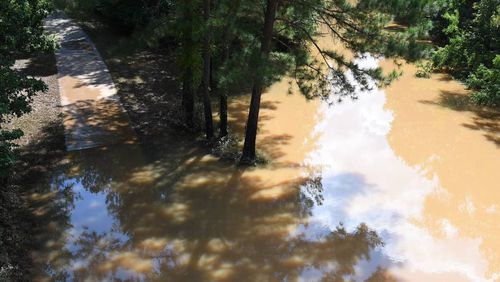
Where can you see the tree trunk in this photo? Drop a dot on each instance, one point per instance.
(223, 114)
(248, 156)
(188, 97)
(209, 130)
(188, 72)
(223, 92)
(228, 36)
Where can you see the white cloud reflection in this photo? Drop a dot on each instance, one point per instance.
(364, 181)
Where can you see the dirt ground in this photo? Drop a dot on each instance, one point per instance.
(146, 79)
(40, 147)
(149, 92)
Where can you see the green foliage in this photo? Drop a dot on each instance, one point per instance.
(80, 6)
(487, 81)
(21, 32)
(237, 26)
(240, 63)
(189, 27)
(123, 14)
(425, 69)
(362, 28)
(127, 16)
(473, 46)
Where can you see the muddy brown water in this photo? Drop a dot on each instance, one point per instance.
(401, 185)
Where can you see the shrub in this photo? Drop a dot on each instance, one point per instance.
(472, 50)
(487, 83)
(21, 32)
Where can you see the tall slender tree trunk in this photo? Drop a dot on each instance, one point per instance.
(188, 72)
(209, 128)
(248, 156)
(223, 93)
(188, 97)
(223, 113)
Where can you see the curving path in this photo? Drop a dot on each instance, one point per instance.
(93, 114)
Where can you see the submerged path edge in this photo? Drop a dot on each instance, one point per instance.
(92, 112)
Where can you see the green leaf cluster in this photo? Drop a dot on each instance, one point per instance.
(472, 48)
(254, 43)
(21, 32)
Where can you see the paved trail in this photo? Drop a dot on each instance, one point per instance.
(93, 114)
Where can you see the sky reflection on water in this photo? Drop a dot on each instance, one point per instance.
(185, 216)
(364, 181)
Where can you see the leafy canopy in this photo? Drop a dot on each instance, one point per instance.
(21, 32)
(472, 49)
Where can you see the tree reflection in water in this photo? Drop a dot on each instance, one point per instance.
(185, 217)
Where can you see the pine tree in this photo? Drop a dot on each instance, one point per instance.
(207, 106)
(251, 44)
(248, 155)
(187, 22)
(229, 11)
(360, 27)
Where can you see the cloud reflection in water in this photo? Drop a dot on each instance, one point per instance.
(364, 181)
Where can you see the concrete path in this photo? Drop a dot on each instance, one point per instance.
(93, 114)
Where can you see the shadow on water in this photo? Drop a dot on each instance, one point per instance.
(174, 213)
(485, 120)
(92, 123)
(167, 211)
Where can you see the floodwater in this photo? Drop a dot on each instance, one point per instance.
(93, 114)
(400, 185)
